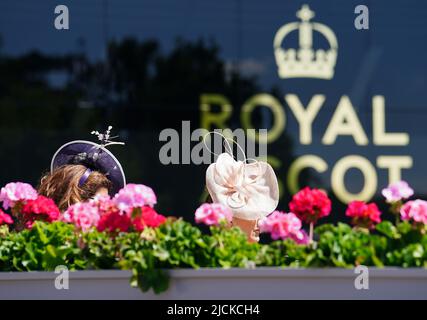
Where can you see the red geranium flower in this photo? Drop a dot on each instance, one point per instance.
(41, 208)
(114, 221)
(148, 218)
(310, 205)
(363, 214)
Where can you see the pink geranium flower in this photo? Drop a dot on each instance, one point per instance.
(363, 214)
(415, 210)
(5, 218)
(212, 214)
(282, 225)
(135, 196)
(16, 191)
(84, 215)
(397, 191)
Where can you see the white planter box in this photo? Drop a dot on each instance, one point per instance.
(260, 283)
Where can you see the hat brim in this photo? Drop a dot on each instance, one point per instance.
(105, 162)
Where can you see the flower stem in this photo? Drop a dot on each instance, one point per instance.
(311, 232)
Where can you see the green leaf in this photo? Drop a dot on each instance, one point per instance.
(404, 227)
(388, 229)
(44, 239)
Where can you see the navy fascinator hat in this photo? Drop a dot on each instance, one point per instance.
(95, 157)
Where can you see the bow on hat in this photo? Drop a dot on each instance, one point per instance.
(250, 190)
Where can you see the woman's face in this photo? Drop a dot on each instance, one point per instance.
(102, 192)
(249, 227)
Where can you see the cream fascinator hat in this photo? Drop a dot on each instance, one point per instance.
(250, 190)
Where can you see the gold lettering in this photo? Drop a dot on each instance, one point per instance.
(267, 100)
(394, 164)
(380, 136)
(338, 175)
(306, 161)
(305, 116)
(345, 122)
(209, 118)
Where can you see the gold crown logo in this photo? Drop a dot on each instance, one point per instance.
(304, 62)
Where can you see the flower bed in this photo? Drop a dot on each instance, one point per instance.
(126, 233)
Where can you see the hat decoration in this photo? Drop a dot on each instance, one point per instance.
(249, 187)
(94, 156)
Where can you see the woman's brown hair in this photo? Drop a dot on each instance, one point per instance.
(62, 185)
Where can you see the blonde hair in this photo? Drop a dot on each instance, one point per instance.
(62, 185)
